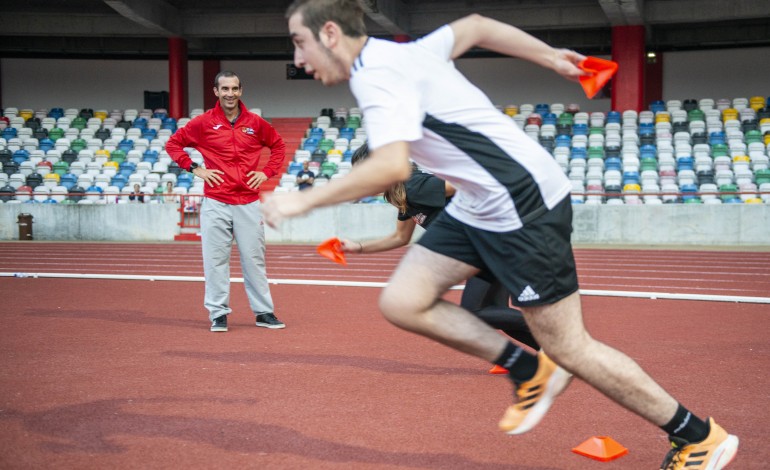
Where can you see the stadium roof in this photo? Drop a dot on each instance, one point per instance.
(256, 29)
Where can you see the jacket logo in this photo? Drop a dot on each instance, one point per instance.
(217, 126)
(248, 130)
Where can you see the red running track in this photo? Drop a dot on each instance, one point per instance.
(689, 272)
(125, 374)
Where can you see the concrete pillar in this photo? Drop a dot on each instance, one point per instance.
(628, 50)
(177, 78)
(211, 67)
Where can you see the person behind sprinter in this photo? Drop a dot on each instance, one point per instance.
(419, 201)
(137, 195)
(231, 138)
(511, 214)
(305, 177)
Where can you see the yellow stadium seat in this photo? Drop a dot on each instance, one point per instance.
(730, 114)
(102, 152)
(757, 102)
(51, 180)
(511, 110)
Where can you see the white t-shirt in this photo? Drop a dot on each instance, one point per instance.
(412, 92)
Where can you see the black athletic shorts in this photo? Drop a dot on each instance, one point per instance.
(535, 263)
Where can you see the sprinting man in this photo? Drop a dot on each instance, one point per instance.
(419, 201)
(511, 214)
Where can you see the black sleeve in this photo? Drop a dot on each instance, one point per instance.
(426, 190)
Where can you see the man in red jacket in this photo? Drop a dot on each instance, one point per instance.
(231, 139)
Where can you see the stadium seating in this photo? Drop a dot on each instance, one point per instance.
(682, 150)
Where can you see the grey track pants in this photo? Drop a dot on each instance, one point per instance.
(220, 224)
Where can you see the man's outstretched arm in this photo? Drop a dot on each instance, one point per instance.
(479, 31)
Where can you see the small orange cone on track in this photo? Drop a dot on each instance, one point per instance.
(332, 249)
(602, 448)
(498, 370)
(600, 73)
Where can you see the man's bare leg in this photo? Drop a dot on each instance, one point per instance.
(412, 301)
(560, 330)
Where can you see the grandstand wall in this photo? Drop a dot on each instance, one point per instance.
(119, 84)
(671, 224)
(77, 222)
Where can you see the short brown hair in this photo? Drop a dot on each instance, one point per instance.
(225, 73)
(348, 14)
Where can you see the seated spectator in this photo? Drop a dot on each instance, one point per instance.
(136, 195)
(168, 194)
(305, 177)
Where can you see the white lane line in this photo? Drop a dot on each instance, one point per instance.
(312, 282)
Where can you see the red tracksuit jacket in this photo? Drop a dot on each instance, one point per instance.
(233, 149)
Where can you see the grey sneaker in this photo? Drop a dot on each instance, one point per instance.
(219, 323)
(268, 320)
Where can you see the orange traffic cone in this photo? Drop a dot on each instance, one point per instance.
(600, 71)
(602, 448)
(498, 370)
(332, 249)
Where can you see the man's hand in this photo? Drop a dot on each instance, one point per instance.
(565, 63)
(211, 177)
(278, 207)
(256, 178)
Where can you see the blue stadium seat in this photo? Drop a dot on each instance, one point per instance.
(347, 133)
(125, 145)
(294, 168)
(20, 156)
(56, 113)
(717, 138)
(549, 118)
(119, 180)
(126, 169)
(149, 134)
(658, 106)
(563, 141)
(685, 163)
(614, 117)
(169, 123)
(46, 144)
(150, 156)
(688, 191)
(613, 163)
(184, 180)
(68, 180)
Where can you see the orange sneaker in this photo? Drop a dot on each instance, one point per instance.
(498, 370)
(535, 397)
(712, 453)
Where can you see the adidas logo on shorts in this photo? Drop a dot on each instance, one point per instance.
(528, 295)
